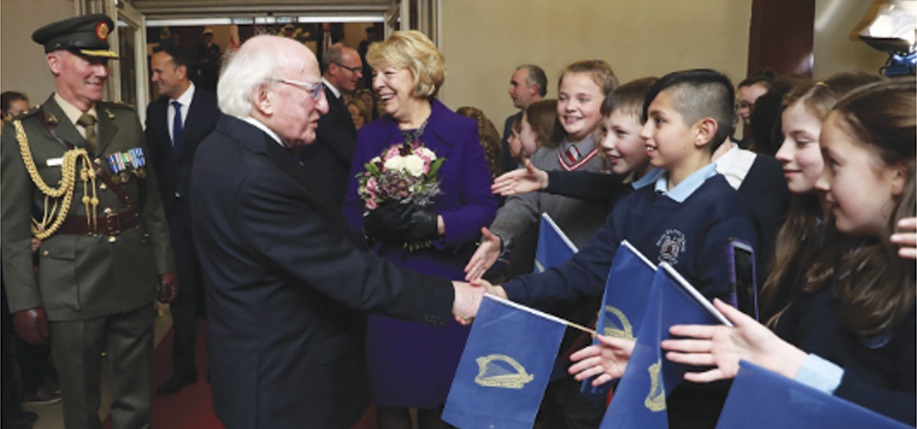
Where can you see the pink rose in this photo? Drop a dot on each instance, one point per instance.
(392, 151)
(371, 203)
(371, 185)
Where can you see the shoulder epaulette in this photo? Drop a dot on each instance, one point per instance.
(120, 104)
(27, 113)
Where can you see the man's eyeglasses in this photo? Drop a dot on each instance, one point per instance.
(314, 89)
(352, 69)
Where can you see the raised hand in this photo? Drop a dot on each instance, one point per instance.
(723, 346)
(907, 240)
(522, 181)
(483, 258)
(606, 361)
(467, 301)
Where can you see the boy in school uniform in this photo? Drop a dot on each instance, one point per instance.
(685, 218)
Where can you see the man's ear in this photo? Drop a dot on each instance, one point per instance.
(533, 90)
(262, 100)
(704, 131)
(183, 71)
(54, 63)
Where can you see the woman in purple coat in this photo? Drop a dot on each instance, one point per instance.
(412, 365)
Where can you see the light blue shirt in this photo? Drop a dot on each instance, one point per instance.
(683, 190)
(650, 177)
(820, 374)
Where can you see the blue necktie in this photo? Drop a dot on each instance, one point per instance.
(176, 129)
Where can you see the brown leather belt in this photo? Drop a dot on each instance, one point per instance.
(109, 224)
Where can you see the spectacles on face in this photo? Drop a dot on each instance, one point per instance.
(352, 69)
(314, 89)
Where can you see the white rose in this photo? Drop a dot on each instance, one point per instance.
(395, 163)
(428, 153)
(414, 165)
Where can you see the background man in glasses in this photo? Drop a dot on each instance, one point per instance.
(328, 158)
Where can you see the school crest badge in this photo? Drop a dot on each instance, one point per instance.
(671, 244)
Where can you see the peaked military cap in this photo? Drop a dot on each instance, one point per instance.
(86, 35)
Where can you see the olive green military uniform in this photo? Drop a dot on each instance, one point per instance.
(101, 252)
(103, 283)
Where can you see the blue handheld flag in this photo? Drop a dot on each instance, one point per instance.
(554, 248)
(760, 398)
(505, 367)
(640, 400)
(627, 293)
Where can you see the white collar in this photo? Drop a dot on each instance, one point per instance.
(264, 128)
(337, 94)
(186, 97)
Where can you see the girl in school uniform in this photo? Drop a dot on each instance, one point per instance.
(859, 325)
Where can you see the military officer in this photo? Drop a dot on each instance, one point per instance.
(73, 174)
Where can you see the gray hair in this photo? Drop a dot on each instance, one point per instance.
(536, 77)
(333, 55)
(252, 65)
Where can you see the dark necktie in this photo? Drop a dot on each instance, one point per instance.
(88, 122)
(176, 129)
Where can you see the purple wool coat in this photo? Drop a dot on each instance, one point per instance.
(412, 365)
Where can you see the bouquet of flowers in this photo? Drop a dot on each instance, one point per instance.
(404, 173)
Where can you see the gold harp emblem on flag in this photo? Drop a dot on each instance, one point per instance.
(501, 371)
(655, 401)
(626, 331)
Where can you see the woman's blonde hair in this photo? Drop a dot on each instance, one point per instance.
(414, 51)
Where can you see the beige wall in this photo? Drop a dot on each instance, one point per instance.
(835, 48)
(23, 66)
(483, 41)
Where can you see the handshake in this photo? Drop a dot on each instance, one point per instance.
(468, 298)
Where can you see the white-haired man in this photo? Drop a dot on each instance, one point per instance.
(287, 287)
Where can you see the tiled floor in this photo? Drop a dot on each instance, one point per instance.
(52, 416)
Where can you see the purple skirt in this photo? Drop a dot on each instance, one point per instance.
(411, 364)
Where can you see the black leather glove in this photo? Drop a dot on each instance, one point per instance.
(388, 222)
(425, 223)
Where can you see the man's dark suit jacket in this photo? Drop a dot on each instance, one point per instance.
(287, 287)
(328, 158)
(174, 173)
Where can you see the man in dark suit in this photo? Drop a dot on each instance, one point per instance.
(73, 175)
(176, 124)
(328, 158)
(287, 286)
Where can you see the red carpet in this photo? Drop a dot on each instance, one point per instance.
(192, 407)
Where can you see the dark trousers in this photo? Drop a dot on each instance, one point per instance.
(185, 307)
(77, 348)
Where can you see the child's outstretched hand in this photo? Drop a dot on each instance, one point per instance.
(723, 346)
(606, 360)
(907, 240)
(483, 258)
(521, 181)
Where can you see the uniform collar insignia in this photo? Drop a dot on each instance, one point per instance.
(51, 119)
(110, 115)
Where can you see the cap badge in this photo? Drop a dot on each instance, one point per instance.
(102, 31)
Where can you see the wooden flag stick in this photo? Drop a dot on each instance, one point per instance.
(581, 328)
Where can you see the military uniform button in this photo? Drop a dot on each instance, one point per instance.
(107, 210)
(98, 161)
(112, 239)
(103, 186)
(45, 254)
